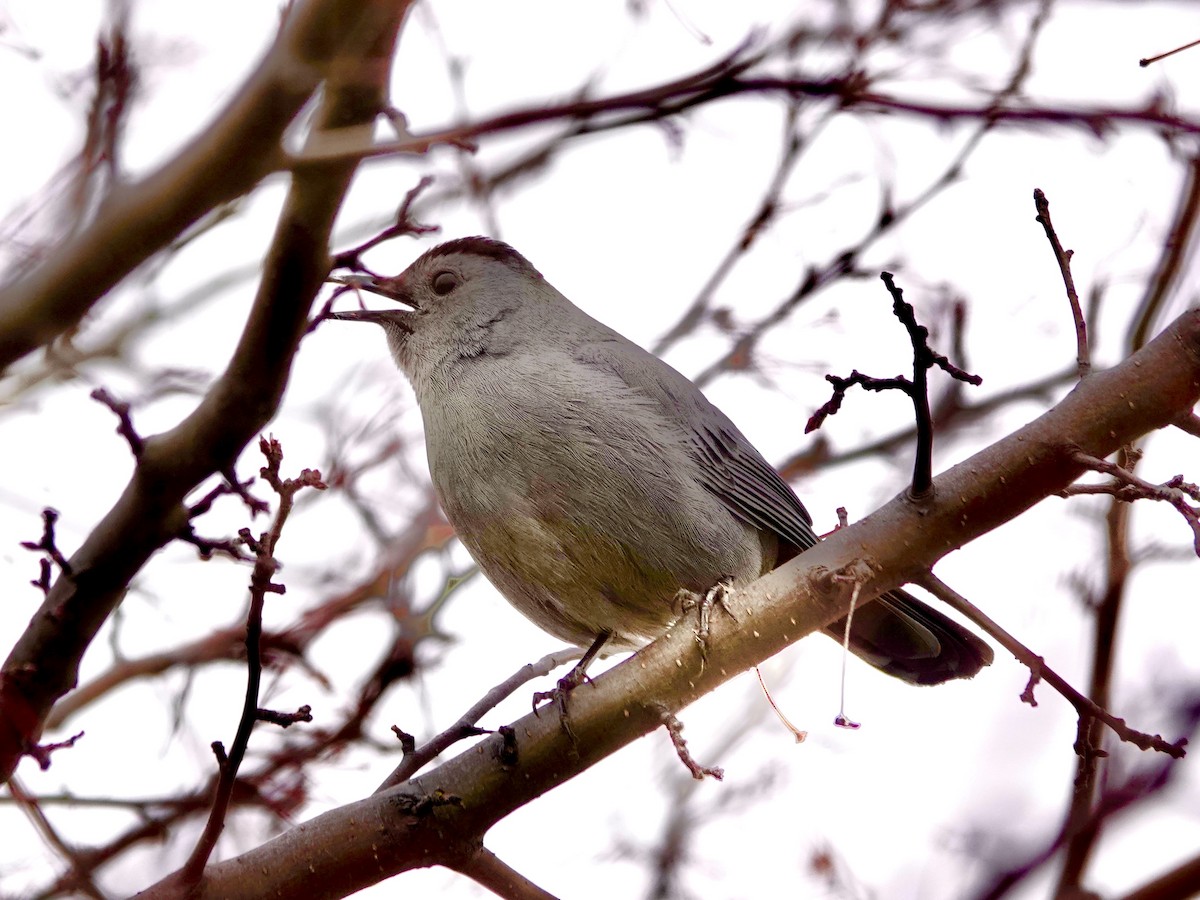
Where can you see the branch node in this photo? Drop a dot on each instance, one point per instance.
(48, 545)
(124, 421)
(402, 224)
(282, 719)
(507, 752)
(42, 752)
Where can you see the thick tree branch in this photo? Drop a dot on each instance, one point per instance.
(235, 151)
(44, 663)
(446, 812)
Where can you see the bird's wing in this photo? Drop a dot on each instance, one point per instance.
(897, 633)
(729, 466)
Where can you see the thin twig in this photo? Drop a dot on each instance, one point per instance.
(1128, 487)
(124, 421)
(675, 732)
(415, 759)
(82, 873)
(1149, 60)
(48, 544)
(261, 583)
(1039, 671)
(1175, 251)
(1063, 257)
(917, 389)
(402, 224)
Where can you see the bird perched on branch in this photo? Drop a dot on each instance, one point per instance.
(591, 481)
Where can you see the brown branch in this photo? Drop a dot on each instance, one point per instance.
(1175, 251)
(261, 583)
(1182, 881)
(1082, 830)
(1128, 487)
(1085, 707)
(230, 155)
(675, 731)
(485, 868)
(44, 663)
(1083, 356)
(81, 871)
(335, 851)
(416, 759)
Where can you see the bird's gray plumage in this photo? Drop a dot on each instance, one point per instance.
(589, 479)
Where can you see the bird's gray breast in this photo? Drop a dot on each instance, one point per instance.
(579, 498)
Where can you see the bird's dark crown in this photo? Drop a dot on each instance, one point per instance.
(486, 247)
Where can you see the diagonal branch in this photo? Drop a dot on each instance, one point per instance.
(408, 827)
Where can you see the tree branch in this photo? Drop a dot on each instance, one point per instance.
(231, 154)
(45, 661)
(410, 826)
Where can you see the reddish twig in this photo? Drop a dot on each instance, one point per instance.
(48, 545)
(403, 224)
(261, 583)
(82, 872)
(675, 731)
(1113, 800)
(1176, 251)
(1149, 60)
(1085, 708)
(124, 421)
(116, 81)
(1063, 257)
(794, 143)
(41, 752)
(1089, 746)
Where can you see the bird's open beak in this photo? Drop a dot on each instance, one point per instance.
(394, 318)
(392, 288)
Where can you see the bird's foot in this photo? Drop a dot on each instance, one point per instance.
(717, 595)
(558, 697)
(568, 683)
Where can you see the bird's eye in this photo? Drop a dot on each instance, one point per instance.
(444, 282)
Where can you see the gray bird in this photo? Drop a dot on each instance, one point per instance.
(591, 481)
